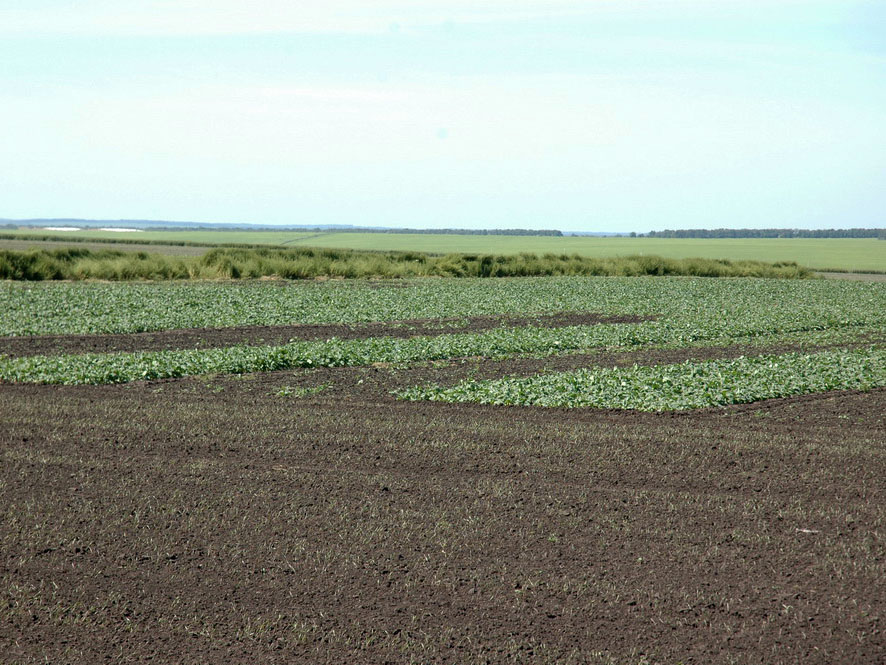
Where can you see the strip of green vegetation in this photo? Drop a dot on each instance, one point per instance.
(690, 312)
(224, 238)
(124, 367)
(498, 343)
(308, 391)
(692, 305)
(181, 249)
(78, 263)
(842, 254)
(115, 239)
(690, 385)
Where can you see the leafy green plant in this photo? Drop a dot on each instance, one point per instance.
(685, 306)
(289, 391)
(688, 385)
(690, 312)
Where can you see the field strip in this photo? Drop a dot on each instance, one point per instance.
(688, 385)
(82, 263)
(497, 343)
(695, 303)
(25, 244)
(855, 276)
(825, 253)
(280, 335)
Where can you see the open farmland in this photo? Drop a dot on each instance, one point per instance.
(23, 244)
(838, 254)
(535, 470)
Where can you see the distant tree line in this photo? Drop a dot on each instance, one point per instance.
(768, 233)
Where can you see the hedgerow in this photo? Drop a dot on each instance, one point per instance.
(79, 263)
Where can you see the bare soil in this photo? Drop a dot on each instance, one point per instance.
(274, 335)
(215, 520)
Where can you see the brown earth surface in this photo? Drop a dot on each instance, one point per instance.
(217, 520)
(274, 335)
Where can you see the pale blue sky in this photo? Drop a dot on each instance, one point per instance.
(603, 115)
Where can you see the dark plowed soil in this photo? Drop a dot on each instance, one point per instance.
(217, 520)
(254, 335)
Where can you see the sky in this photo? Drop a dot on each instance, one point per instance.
(595, 115)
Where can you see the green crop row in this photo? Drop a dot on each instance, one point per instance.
(689, 385)
(123, 367)
(691, 312)
(496, 343)
(691, 304)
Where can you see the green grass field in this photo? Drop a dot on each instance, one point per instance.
(839, 254)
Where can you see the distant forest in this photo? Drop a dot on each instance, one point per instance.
(768, 233)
